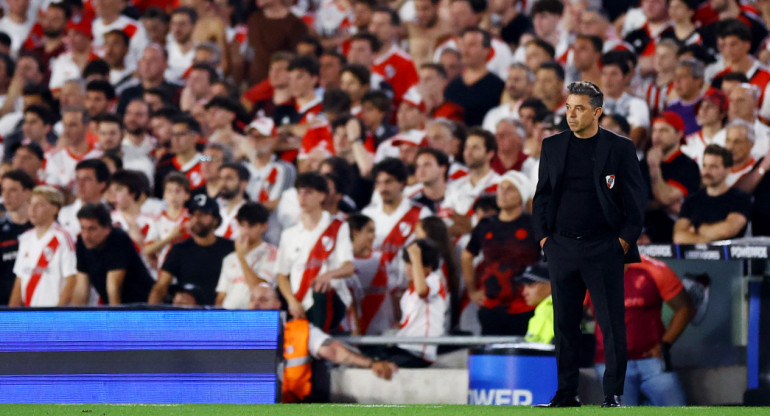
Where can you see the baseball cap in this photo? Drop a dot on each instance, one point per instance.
(82, 27)
(716, 96)
(413, 98)
(265, 126)
(194, 290)
(671, 118)
(29, 145)
(205, 204)
(536, 273)
(411, 137)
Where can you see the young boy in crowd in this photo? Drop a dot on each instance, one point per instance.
(170, 226)
(126, 187)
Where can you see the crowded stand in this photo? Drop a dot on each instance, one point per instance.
(369, 165)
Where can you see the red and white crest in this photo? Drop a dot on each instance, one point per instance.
(610, 179)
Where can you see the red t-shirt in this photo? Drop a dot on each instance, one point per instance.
(647, 285)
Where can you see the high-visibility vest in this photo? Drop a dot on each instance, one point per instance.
(297, 371)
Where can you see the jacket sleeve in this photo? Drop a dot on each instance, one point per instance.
(632, 193)
(542, 198)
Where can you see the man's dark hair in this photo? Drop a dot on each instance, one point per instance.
(252, 213)
(596, 42)
(395, 19)
(393, 167)
(374, 42)
(114, 156)
(339, 184)
(315, 43)
(160, 92)
(336, 101)
(305, 63)
(553, 66)
(357, 222)
(735, 77)
(35, 57)
(544, 45)
(5, 40)
(213, 76)
(547, 6)
(490, 142)
(486, 203)
(717, 150)
(191, 123)
(96, 211)
(189, 11)
(478, 6)
(39, 90)
(733, 27)
(618, 59)
(102, 86)
(132, 180)
(486, 38)
(109, 118)
(429, 253)
(620, 121)
(243, 173)
(168, 112)
(63, 7)
(343, 60)
(100, 169)
(43, 112)
(96, 67)
(698, 52)
(10, 66)
(119, 33)
(588, 88)
(156, 13)
(312, 180)
(281, 56)
(440, 70)
(21, 177)
(378, 99)
(371, 4)
(177, 178)
(360, 72)
(441, 158)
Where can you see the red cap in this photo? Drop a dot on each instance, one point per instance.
(672, 118)
(83, 27)
(716, 96)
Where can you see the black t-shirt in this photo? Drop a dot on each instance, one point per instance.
(760, 211)
(9, 247)
(432, 205)
(519, 25)
(191, 263)
(508, 248)
(700, 208)
(117, 253)
(579, 203)
(679, 171)
(475, 99)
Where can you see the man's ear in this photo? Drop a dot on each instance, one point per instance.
(598, 112)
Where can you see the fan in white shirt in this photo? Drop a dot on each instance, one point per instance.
(109, 18)
(233, 178)
(60, 164)
(45, 268)
(126, 189)
(17, 23)
(169, 227)
(180, 44)
(91, 179)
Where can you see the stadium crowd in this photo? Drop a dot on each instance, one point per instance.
(373, 161)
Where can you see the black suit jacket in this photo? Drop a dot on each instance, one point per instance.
(618, 182)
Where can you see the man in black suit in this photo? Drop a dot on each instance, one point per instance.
(587, 214)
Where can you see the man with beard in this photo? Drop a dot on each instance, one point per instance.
(50, 43)
(137, 144)
(181, 46)
(234, 178)
(198, 259)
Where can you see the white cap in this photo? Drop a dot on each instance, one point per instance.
(264, 125)
(521, 182)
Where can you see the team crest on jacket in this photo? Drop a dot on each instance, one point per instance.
(610, 181)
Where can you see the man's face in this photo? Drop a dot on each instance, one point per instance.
(199, 82)
(92, 233)
(431, 81)
(665, 136)
(122, 196)
(279, 74)
(742, 104)
(264, 299)
(34, 128)
(87, 187)
(202, 224)
(213, 159)
(53, 22)
(231, 184)
(310, 199)
(252, 232)
(362, 15)
(115, 50)
(78, 41)
(534, 56)
(175, 195)
(137, 117)
(161, 129)
(389, 187)
(461, 16)
(439, 137)
(655, 10)
(473, 51)
(427, 170)
(381, 27)
(14, 195)
(685, 85)
(330, 71)
(408, 117)
(28, 70)
(361, 53)
(181, 27)
(219, 117)
(407, 152)
(27, 161)
(365, 236)
(585, 55)
(352, 86)
(301, 83)
(580, 115)
(613, 81)
(508, 139)
(545, 23)
(371, 115)
(182, 139)
(517, 83)
(475, 153)
(534, 293)
(451, 62)
(713, 172)
(74, 127)
(738, 143)
(592, 23)
(263, 144)
(508, 196)
(548, 86)
(156, 29)
(152, 64)
(665, 60)
(110, 135)
(426, 13)
(708, 113)
(733, 49)
(96, 103)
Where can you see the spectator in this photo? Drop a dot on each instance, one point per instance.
(100, 98)
(510, 135)
(671, 177)
(650, 374)
(16, 190)
(587, 57)
(660, 90)
(107, 259)
(185, 134)
(213, 157)
(616, 74)
(272, 92)
(272, 28)
(743, 103)
(375, 107)
(91, 180)
(116, 44)
(60, 164)
(170, 227)
(150, 74)
(549, 86)
(252, 262)
(537, 52)
(37, 127)
(155, 22)
(222, 114)
(53, 25)
(269, 177)
(431, 166)
(17, 23)
(70, 65)
(739, 140)
(518, 87)
(109, 129)
(181, 47)
(508, 244)
(393, 63)
(29, 158)
(314, 256)
(127, 188)
(307, 340)
(688, 84)
(433, 82)
(109, 17)
(232, 196)
(355, 81)
(536, 290)
(137, 145)
(197, 260)
(477, 90)
(331, 64)
(716, 212)
(710, 113)
(45, 265)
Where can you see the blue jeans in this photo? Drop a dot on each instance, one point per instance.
(645, 379)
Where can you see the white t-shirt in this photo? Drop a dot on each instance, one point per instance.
(286, 215)
(229, 227)
(634, 109)
(500, 113)
(232, 281)
(424, 317)
(60, 166)
(132, 28)
(761, 139)
(178, 62)
(501, 56)
(144, 221)
(462, 194)
(268, 183)
(58, 249)
(161, 228)
(294, 249)
(16, 31)
(63, 69)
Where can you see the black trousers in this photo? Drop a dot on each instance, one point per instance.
(497, 321)
(575, 265)
(327, 311)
